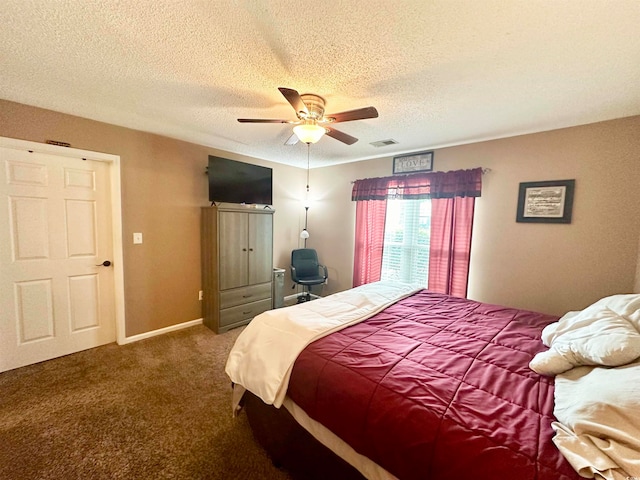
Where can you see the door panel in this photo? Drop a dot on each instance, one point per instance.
(83, 302)
(81, 230)
(34, 309)
(55, 227)
(29, 228)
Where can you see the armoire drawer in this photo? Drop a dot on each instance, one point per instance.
(239, 296)
(247, 311)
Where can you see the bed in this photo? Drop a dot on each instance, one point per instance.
(400, 382)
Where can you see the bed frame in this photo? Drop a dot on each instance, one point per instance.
(291, 447)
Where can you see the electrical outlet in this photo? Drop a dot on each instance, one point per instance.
(200, 295)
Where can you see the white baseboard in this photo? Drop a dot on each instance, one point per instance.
(160, 331)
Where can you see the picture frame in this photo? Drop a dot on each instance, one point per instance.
(414, 162)
(545, 202)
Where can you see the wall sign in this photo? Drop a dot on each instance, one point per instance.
(415, 162)
(545, 202)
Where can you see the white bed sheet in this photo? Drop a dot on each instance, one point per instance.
(598, 427)
(264, 353)
(597, 406)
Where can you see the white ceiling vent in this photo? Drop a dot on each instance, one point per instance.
(383, 143)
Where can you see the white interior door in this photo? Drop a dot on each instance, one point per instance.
(56, 297)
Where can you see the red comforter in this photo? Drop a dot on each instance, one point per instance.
(437, 387)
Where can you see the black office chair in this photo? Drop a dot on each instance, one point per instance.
(306, 271)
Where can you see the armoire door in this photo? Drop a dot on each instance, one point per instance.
(260, 248)
(233, 241)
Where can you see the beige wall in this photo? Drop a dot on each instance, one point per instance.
(163, 187)
(545, 267)
(550, 268)
(637, 286)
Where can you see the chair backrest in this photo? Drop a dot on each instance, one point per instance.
(305, 261)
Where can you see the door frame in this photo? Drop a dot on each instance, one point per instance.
(116, 212)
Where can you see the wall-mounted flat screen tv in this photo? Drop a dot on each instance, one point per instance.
(238, 182)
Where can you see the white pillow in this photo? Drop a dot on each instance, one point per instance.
(626, 306)
(602, 334)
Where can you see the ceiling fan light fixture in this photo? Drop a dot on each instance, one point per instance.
(309, 132)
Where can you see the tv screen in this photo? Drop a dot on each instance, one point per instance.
(238, 182)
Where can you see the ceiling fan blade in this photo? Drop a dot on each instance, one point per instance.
(292, 140)
(294, 98)
(263, 120)
(341, 136)
(358, 114)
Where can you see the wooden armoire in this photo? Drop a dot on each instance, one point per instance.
(237, 265)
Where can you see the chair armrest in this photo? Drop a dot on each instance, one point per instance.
(294, 276)
(326, 275)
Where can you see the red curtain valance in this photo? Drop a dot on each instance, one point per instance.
(456, 183)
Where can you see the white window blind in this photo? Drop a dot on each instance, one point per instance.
(406, 241)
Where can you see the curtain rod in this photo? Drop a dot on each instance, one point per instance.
(484, 170)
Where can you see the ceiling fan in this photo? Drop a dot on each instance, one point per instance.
(312, 122)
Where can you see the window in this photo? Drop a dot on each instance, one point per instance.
(430, 246)
(405, 256)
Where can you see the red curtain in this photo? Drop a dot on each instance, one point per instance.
(457, 183)
(450, 245)
(370, 219)
(452, 197)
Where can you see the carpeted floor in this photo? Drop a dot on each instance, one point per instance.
(155, 409)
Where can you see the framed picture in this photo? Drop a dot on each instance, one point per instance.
(414, 162)
(545, 202)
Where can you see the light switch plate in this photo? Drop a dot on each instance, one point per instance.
(137, 238)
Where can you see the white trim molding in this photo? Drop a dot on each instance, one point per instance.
(160, 331)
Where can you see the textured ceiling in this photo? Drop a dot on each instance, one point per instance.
(440, 72)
